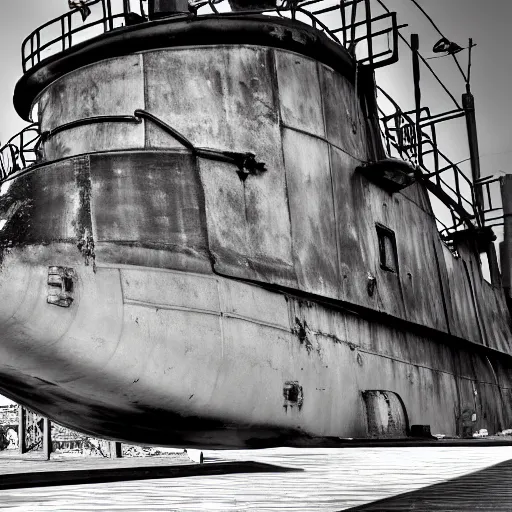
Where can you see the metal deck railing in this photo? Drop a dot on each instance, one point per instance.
(69, 29)
(353, 21)
(492, 210)
(20, 151)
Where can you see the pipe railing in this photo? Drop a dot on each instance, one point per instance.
(107, 15)
(446, 179)
(492, 210)
(69, 29)
(20, 151)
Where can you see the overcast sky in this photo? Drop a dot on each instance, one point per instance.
(487, 22)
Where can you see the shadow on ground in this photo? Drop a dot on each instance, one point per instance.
(489, 489)
(95, 476)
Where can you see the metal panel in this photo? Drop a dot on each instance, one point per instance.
(170, 289)
(56, 202)
(149, 199)
(420, 281)
(94, 138)
(464, 322)
(490, 312)
(299, 92)
(167, 360)
(217, 97)
(344, 120)
(357, 255)
(225, 98)
(239, 299)
(248, 223)
(111, 87)
(310, 198)
(495, 317)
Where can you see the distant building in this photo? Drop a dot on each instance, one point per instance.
(9, 415)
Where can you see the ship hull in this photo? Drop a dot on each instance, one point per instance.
(188, 359)
(202, 255)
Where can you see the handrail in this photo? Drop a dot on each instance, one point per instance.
(70, 24)
(492, 210)
(31, 57)
(20, 151)
(402, 138)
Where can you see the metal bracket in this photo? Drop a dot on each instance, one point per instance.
(60, 286)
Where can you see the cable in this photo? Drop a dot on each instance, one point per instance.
(441, 34)
(424, 61)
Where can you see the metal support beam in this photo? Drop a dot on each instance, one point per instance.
(47, 438)
(116, 450)
(415, 46)
(22, 440)
(468, 104)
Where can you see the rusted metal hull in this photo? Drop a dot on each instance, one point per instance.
(178, 358)
(154, 293)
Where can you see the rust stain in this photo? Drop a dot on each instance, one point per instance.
(16, 208)
(83, 222)
(293, 395)
(301, 331)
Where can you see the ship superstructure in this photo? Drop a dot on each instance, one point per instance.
(207, 241)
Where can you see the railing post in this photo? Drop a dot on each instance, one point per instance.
(47, 438)
(22, 442)
(468, 104)
(116, 450)
(415, 46)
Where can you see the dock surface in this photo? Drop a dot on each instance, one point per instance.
(406, 478)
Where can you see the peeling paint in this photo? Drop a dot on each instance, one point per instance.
(86, 247)
(83, 223)
(301, 331)
(293, 395)
(16, 210)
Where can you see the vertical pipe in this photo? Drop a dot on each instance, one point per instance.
(22, 441)
(116, 450)
(468, 104)
(368, 17)
(47, 438)
(415, 46)
(506, 247)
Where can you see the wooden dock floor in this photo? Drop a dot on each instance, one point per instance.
(408, 478)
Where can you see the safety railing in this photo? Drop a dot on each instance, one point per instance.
(444, 178)
(21, 151)
(373, 40)
(67, 30)
(492, 209)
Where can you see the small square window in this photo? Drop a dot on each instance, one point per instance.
(387, 249)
